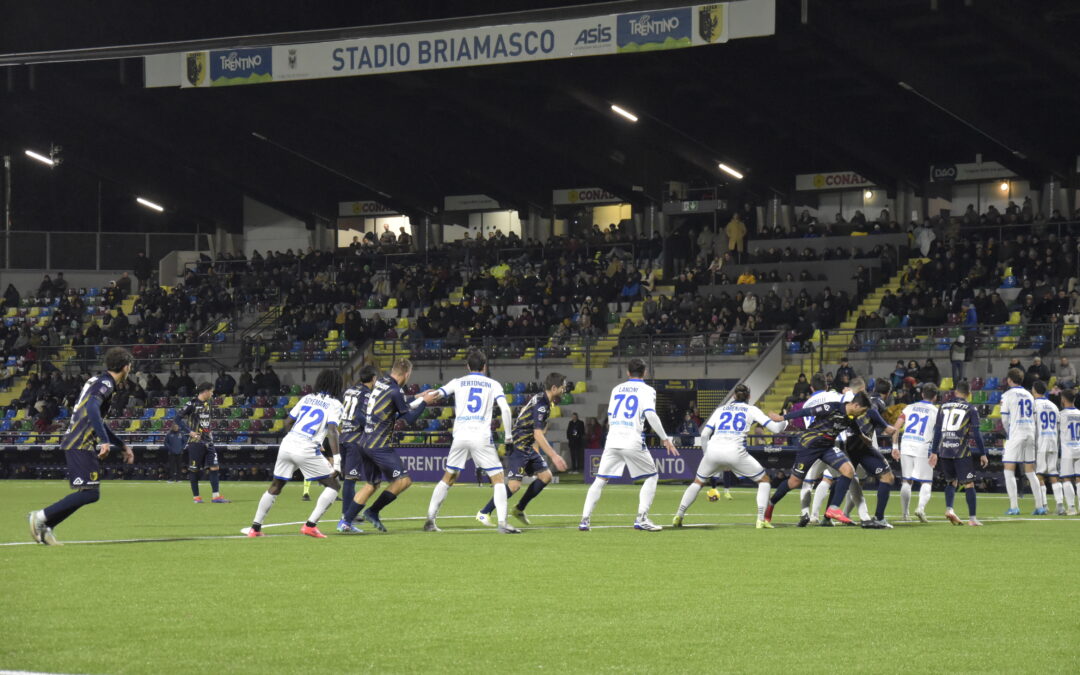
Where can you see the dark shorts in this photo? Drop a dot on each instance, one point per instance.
(960, 469)
(520, 464)
(377, 464)
(352, 460)
(871, 460)
(83, 468)
(201, 456)
(806, 456)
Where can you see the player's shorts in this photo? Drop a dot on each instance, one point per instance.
(381, 463)
(483, 455)
(1069, 466)
(869, 460)
(308, 459)
(916, 468)
(1019, 450)
(201, 456)
(726, 457)
(1046, 460)
(639, 461)
(83, 468)
(960, 469)
(351, 461)
(806, 456)
(520, 464)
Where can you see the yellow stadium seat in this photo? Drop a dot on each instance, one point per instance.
(556, 411)
(332, 335)
(227, 402)
(579, 387)
(946, 384)
(447, 413)
(391, 304)
(135, 425)
(159, 413)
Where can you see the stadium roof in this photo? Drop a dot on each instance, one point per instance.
(882, 88)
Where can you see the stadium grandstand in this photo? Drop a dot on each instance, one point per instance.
(829, 247)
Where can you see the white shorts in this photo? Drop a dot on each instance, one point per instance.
(1019, 450)
(725, 457)
(638, 460)
(483, 455)
(916, 468)
(293, 456)
(1070, 466)
(1046, 460)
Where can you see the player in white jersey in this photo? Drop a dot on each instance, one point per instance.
(1018, 418)
(1069, 468)
(724, 440)
(920, 427)
(1046, 445)
(475, 397)
(312, 420)
(631, 404)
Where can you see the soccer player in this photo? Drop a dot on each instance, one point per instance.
(1018, 418)
(528, 434)
(952, 452)
(314, 418)
(194, 420)
(819, 442)
(386, 404)
(353, 416)
(631, 404)
(724, 439)
(1069, 424)
(863, 451)
(475, 397)
(1046, 448)
(919, 427)
(816, 475)
(82, 454)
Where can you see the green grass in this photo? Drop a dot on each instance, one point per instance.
(720, 597)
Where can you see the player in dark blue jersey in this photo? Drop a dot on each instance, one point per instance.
(88, 441)
(819, 442)
(523, 456)
(952, 453)
(862, 449)
(195, 419)
(352, 428)
(386, 404)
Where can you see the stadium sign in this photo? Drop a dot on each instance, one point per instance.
(365, 208)
(470, 203)
(831, 180)
(691, 26)
(583, 196)
(973, 171)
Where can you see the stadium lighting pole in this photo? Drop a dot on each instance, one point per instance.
(7, 211)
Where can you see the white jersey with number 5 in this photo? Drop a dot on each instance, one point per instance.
(920, 420)
(626, 413)
(730, 423)
(311, 416)
(1018, 413)
(474, 403)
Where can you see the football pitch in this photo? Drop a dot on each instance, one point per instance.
(162, 585)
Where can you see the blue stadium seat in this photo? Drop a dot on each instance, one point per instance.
(992, 383)
(993, 397)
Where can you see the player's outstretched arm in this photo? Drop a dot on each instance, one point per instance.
(333, 439)
(658, 427)
(542, 442)
(507, 418)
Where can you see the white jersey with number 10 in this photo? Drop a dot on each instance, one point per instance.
(626, 413)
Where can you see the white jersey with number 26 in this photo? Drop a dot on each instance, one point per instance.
(311, 417)
(626, 413)
(730, 423)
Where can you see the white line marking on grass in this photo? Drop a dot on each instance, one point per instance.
(26, 672)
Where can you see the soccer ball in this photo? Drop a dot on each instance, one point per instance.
(713, 495)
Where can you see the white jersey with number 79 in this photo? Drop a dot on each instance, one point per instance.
(626, 413)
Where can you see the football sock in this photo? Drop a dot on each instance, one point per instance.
(307, 487)
(781, 490)
(905, 498)
(969, 494)
(856, 498)
(194, 478)
(924, 496)
(762, 499)
(806, 494)
(690, 495)
(1010, 487)
(534, 489)
(437, 497)
(593, 496)
(502, 496)
(1036, 489)
(1070, 494)
(1059, 494)
(884, 491)
(325, 501)
(384, 499)
(950, 496)
(58, 512)
(821, 495)
(215, 484)
(1042, 489)
(647, 494)
(840, 490)
(729, 480)
(714, 481)
(490, 506)
(348, 491)
(352, 510)
(265, 503)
